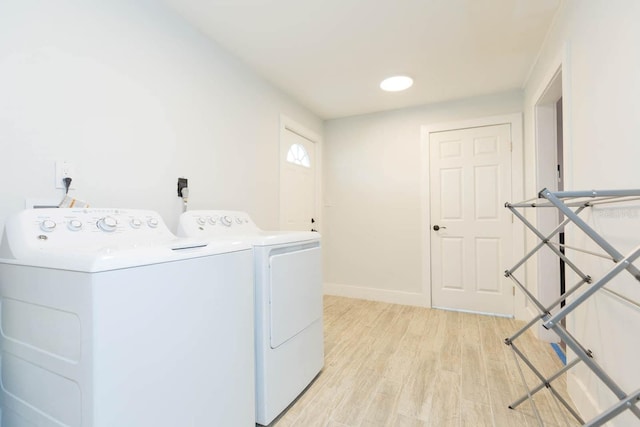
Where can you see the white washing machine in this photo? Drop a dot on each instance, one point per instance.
(288, 287)
(109, 320)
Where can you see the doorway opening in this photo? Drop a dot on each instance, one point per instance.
(551, 175)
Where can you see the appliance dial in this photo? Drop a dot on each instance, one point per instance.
(74, 225)
(238, 220)
(212, 220)
(136, 223)
(48, 225)
(152, 222)
(108, 224)
(226, 220)
(201, 221)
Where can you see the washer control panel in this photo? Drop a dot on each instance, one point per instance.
(77, 228)
(215, 222)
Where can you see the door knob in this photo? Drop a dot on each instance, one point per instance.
(437, 227)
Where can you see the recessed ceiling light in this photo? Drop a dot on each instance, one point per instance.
(396, 83)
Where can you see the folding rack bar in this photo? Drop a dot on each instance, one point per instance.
(570, 204)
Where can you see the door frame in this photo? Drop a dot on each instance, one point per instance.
(517, 185)
(547, 268)
(290, 125)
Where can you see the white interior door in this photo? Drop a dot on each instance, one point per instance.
(297, 182)
(470, 175)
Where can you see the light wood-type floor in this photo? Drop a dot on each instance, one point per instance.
(400, 366)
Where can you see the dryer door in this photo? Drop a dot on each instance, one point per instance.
(295, 292)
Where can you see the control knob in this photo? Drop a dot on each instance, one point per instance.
(152, 222)
(201, 221)
(136, 223)
(74, 225)
(107, 223)
(48, 225)
(226, 220)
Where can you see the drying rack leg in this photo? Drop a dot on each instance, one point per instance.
(543, 384)
(528, 394)
(546, 384)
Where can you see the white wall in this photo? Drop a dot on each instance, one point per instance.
(372, 231)
(596, 42)
(133, 97)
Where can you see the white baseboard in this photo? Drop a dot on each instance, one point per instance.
(584, 403)
(587, 406)
(373, 294)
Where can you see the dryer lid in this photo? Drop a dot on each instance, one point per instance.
(222, 224)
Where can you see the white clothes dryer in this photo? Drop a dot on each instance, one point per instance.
(108, 320)
(288, 289)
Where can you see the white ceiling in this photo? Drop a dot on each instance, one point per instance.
(330, 55)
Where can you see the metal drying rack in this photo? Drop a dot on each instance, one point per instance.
(571, 204)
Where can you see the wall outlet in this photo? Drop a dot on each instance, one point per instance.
(64, 170)
(182, 183)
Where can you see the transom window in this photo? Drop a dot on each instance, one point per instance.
(298, 155)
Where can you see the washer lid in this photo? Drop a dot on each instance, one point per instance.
(94, 240)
